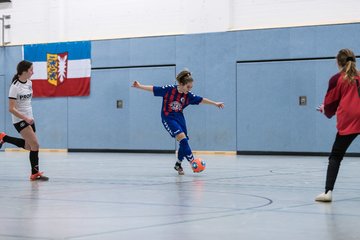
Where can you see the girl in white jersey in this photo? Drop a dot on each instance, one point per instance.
(20, 95)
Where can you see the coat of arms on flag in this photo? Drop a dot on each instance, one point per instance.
(57, 68)
(60, 69)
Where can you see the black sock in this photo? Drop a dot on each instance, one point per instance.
(34, 160)
(19, 142)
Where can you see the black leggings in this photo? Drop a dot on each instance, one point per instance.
(341, 144)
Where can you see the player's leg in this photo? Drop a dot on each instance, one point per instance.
(19, 142)
(31, 142)
(171, 127)
(183, 140)
(4, 138)
(175, 130)
(184, 146)
(338, 151)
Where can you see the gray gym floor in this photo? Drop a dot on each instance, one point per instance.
(140, 196)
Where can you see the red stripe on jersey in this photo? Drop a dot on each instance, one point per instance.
(165, 103)
(171, 99)
(178, 100)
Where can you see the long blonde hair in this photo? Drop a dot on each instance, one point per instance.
(347, 62)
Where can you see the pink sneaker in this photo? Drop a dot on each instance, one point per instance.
(38, 177)
(2, 135)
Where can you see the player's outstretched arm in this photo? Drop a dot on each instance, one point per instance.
(208, 101)
(136, 84)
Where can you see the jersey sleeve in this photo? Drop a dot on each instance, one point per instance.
(13, 92)
(193, 99)
(161, 91)
(332, 97)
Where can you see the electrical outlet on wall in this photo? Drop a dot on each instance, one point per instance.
(302, 100)
(119, 103)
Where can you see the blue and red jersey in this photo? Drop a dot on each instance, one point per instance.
(343, 99)
(173, 101)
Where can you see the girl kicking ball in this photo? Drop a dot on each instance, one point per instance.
(175, 99)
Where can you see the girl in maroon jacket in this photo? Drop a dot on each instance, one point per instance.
(343, 99)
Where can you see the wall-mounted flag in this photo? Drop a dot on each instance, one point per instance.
(60, 69)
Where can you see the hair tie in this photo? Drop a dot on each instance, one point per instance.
(350, 59)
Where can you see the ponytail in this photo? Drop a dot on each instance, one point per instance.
(15, 77)
(347, 62)
(350, 71)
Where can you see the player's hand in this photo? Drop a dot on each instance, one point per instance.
(136, 84)
(29, 121)
(220, 104)
(320, 108)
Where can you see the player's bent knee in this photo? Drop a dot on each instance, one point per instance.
(34, 146)
(180, 136)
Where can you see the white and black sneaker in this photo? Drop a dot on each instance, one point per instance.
(178, 168)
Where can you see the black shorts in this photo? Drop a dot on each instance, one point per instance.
(21, 125)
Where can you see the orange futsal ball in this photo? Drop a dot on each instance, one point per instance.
(198, 165)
